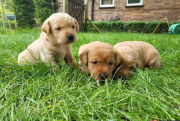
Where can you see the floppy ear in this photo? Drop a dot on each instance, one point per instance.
(46, 27)
(84, 57)
(117, 58)
(77, 25)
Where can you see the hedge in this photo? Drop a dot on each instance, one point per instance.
(12, 24)
(135, 27)
(118, 26)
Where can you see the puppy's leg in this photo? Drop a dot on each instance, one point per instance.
(69, 57)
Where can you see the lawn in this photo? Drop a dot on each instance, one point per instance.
(34, 92)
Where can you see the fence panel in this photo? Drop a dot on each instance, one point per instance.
(76, 9)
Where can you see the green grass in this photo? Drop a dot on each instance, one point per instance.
(36, 93)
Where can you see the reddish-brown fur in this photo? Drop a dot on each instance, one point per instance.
(136, 54)
(98, 59)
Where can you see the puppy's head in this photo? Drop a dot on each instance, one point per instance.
(130, 61)
(60, 28)
(100, 59)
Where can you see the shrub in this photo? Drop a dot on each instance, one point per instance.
(137, 27)
(44, 8)
(116, 26)
(12, 24)
(25, 11)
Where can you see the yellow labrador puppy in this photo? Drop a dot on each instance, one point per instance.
(136, 54)
(54, 44)
(99, 59)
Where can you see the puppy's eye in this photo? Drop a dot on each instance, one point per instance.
(59, 28)
(110, 63)
(73, 26)
(131, 67)
(94, 62)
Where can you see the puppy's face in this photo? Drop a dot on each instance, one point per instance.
(100, 61)
(60, 28)
(128, 64)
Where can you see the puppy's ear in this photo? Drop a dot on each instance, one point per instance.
(84, 57)
(117, 58)
(46, 27)
(77, 25)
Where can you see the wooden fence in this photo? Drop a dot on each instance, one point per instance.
(76, 9)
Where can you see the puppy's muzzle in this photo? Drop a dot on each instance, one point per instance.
(70, 37)
(103, 76)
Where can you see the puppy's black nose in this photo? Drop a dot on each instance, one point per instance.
(103, 76)
(122, 77)
(70, 37)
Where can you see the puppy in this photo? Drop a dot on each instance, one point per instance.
(54, 44)
(99, 59)
(136, 54)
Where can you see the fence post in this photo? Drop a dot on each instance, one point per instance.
(2, 9)
(65, 6)
(86, 15)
